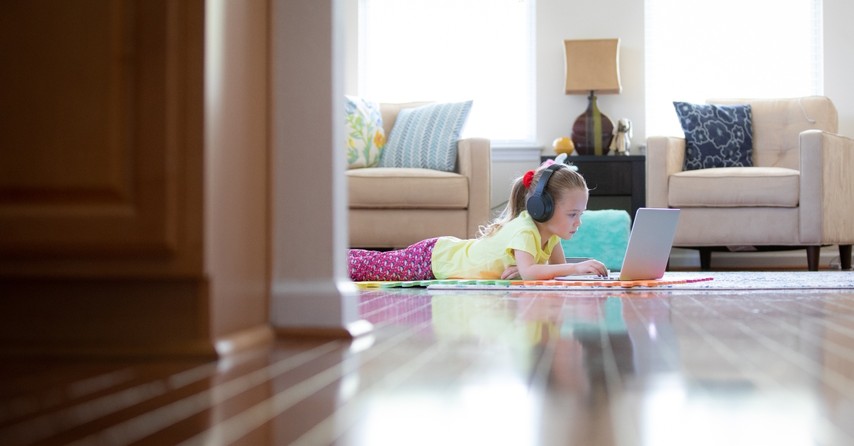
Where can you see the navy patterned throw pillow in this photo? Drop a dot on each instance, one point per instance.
(716, 135)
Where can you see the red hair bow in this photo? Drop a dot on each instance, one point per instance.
(527, 178)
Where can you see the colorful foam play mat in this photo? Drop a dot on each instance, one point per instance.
(710, 281)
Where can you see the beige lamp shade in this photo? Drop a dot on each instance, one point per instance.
(592, 65)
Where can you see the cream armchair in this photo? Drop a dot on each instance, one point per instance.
(799, 191)
(395, 207)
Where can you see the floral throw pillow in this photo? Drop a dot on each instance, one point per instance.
(365, 134)
(716, 135)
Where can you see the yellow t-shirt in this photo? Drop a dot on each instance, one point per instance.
(488, 257)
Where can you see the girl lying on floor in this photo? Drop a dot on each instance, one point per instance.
(523, 242)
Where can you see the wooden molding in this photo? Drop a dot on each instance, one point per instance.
(94, 130)
(98, 317)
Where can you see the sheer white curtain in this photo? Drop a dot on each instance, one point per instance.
(454, 50)
(700, 49)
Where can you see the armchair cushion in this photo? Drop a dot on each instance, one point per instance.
(407, 188)
(426, 137)
(735, 187)
(716, 135)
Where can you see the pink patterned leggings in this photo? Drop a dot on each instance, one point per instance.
(410, 263)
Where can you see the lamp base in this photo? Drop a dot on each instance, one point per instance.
(592, 131)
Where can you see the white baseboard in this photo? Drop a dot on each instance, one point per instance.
(690, 258)
(522, 153)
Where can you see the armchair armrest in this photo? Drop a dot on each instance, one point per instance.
(474, 161)
(827, 185)
(665, 155)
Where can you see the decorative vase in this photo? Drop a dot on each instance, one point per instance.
(592, 130)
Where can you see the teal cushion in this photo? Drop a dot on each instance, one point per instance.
(426, 137)
(603, 235)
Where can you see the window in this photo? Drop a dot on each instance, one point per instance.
(454, 50)
(697, 50)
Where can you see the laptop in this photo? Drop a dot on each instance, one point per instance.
(648, 249)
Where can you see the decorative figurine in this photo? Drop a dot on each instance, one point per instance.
(622, 137)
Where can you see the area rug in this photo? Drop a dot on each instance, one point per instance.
(770, 280)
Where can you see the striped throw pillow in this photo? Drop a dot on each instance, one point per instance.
(426, 136)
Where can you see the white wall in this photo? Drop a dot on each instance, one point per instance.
(558, 20)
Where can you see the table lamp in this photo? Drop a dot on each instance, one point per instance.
(592, 66)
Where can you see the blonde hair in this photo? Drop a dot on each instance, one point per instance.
(561, 181)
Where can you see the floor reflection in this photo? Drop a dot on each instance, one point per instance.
(493, 367)
(658, 369)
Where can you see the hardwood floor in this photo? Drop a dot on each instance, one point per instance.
(490, 367)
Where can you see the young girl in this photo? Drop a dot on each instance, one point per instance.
(523, 242)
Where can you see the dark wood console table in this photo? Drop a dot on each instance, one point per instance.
(615, 182)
